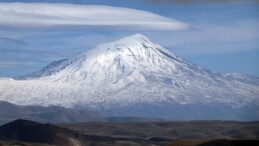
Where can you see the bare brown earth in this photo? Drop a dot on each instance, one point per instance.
(214, 142)
(20, 143)
(177, 133)
(171, 129)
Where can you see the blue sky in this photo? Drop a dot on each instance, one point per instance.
(221, 36)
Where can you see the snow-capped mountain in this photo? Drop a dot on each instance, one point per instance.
(135, 76)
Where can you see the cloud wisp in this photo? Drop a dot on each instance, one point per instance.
(12, 41)
(199, 1)
(71, 16)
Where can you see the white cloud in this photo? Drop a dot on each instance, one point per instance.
(14, 63)
(212, 38)
(47, 15)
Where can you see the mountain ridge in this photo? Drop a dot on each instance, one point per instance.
(55, 114)
(133, 72)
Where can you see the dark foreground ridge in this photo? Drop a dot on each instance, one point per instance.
(28, 133)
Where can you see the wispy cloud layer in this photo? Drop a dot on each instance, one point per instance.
(58, 16)
(199, 1)
(213, 38)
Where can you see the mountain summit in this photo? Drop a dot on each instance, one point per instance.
(135, 76)
(133, 54)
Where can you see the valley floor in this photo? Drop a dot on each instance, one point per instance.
(171, 129)
(171, 133)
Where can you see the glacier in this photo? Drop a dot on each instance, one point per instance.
(134, 76)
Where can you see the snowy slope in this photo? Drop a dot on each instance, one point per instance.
(132, 71)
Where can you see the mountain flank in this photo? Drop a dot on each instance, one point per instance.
(137, 77)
